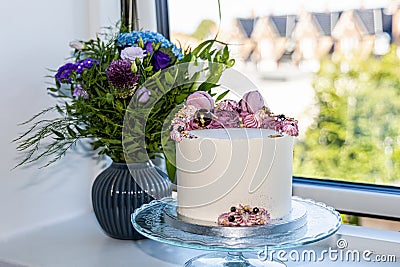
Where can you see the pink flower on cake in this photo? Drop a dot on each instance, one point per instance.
(290, 127)
(200, 100)
(225, 119)
(279, 122)
(251, 102)
(250, 121)
(267, 121)
(244, 216)
(228, 105)
(176, 136)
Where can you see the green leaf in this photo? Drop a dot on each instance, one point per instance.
(59, 109)
(197, 50)
(225, 54)
(169, 78)
(207, 86)
(71, 132)
(59, 135)
(230, 62)
(80, 130)
(109, 98)
(180, 98)
(222, 95)
(149, 68)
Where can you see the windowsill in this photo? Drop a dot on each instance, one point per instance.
(80, 242)
(351, 198)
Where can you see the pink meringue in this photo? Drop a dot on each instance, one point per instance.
(251, 102)
(250, 121)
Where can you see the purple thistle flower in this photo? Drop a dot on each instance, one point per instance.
(120, 75)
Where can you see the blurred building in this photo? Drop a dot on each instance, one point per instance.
(304, 39)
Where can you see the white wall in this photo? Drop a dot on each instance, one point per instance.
(34, 35)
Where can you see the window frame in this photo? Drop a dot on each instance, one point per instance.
(377, 201)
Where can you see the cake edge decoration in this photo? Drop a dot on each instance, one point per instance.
(243, 216)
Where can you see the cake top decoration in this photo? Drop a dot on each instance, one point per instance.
(201, 112)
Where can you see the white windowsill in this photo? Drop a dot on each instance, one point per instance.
(351, 200)
(80, 242)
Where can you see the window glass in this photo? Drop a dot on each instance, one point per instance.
(332, 65)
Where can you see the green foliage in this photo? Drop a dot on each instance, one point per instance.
(356, 136)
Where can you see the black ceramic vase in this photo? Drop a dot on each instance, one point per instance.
(119, 190)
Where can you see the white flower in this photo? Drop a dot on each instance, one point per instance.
(133, 52)
(143, 95)
(76, 45)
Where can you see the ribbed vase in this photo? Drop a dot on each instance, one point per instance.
(119, 190)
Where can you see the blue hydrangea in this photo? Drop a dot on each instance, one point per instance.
(132, 39)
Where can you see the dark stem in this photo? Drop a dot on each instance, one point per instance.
(129, 16)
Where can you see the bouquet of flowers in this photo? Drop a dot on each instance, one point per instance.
(95, 88)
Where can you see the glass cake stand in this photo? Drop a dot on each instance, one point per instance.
(159, 221)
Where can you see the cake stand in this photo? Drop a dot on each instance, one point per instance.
(153, 221)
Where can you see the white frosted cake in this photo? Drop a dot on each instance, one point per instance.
(234, 168)
(226, 167)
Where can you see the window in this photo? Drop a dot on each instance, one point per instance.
(334, 67)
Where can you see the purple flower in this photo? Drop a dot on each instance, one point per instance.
(64, 72)
(133, 52)
(80, 92)
(229, 105)
(87, 63)
(160, 60)
(225, 119)
(200, 99)
(120, 75)
(149, 47)
(143, 95)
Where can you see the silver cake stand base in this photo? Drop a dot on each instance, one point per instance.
(158, 221)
